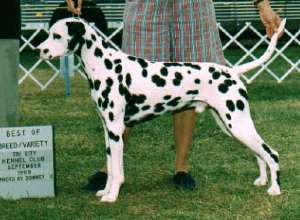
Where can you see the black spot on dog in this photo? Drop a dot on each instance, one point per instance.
(178, 78)
(167, 97)
(278, 177)
(105, 44)
(93, 37)
(229, 125)
(243, 93)
(228, 116)
(193, 66)
(230, 105)
(216, 75)
(138, 99)
(99, 102)
(108, 64)
(111, 116)
(113, 136)
(132, 58)
(91, 84)
(108, 151)
(176, 82)
(56, 36)
(98, 52)
(268, 150)
(97, 84)
(124, 92)
(159, 108)
(210, 81)
(146, 107)
(105, 93)
(105, 104)
(228, 82)
(240, 105)
(223, 88)
(172, 64)
(112, 104)
(117, 61)
(227, 75)
(109, 81)
(89, 44)
(164, 71)
(142, 62)
(131, 109)
(211, 69)
(197, 81)
(120, 78)
(158, 81)
(174, 102)
(144, 73)
(128, 79)
(192, 92)
(118, 68)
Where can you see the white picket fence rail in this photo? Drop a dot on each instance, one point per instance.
(287, 54)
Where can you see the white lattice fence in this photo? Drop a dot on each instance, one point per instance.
(287, 54)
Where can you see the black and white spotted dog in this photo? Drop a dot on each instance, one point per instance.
(128, 89)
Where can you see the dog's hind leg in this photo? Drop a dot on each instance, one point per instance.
(263, 178)
(241, 126)
(220, 122)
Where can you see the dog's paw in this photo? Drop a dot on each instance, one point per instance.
(260, 181)
(101, 193)
(108, 198)
(274, 191)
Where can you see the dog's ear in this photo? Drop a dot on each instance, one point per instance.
(76, 30)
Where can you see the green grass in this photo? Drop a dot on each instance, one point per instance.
(223, 168)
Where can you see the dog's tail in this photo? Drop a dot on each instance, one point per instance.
(239, 70)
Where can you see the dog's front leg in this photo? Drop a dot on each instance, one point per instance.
(106, 190)
(115, 161)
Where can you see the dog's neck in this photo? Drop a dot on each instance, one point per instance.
(97, 55)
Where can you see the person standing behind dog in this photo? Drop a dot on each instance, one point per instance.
(176, 31)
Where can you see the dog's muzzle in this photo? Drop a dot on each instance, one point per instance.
(44, 53)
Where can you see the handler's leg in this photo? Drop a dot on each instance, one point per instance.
(184, 123)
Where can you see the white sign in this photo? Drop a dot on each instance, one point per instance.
(26, 162)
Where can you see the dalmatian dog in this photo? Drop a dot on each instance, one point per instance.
(128, 89)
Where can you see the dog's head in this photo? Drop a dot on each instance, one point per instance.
(65, 36)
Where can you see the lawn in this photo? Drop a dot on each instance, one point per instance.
(223, 168)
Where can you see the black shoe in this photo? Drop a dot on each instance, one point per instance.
(183, 180)
(96, 182)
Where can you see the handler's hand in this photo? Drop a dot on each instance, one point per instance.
(72, 9)
(269, 18)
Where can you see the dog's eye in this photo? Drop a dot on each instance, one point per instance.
(56, 36)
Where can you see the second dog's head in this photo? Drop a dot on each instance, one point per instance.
(65, 36)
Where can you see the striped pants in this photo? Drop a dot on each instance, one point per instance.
(172, 30)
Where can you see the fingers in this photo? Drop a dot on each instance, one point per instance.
(272, 27)
(279, 20)
(74, 10)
